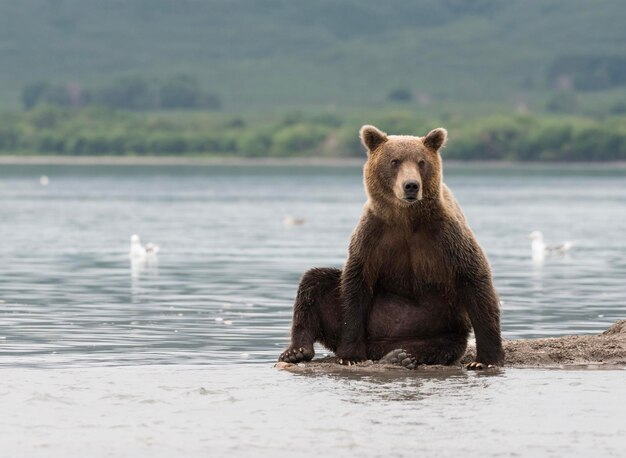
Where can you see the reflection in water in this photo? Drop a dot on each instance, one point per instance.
(363, 388)
(222, 291)
(146, 267)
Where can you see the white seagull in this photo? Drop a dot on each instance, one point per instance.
(540, 249)
(138, 251)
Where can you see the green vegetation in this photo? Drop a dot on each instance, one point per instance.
(97, 131)
(510, 80)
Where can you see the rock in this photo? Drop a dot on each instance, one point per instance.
(607, 350)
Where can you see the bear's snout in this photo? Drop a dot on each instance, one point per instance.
(411, 189)
(407, 185)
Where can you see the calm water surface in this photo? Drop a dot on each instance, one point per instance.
(198, 330)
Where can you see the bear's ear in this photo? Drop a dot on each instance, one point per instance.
(371, 137)
(436, 138)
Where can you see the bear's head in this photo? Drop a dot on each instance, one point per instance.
(403, 170)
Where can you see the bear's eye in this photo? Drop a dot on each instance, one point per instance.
(395, 163)
(421, 164)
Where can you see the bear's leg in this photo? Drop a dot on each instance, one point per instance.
(316, 315)
(483, 307)
(446, 349)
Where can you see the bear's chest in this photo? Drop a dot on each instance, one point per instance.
(411, 262)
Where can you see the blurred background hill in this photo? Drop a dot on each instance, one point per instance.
(315, 67)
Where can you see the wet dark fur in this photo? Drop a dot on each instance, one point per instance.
(415, 277)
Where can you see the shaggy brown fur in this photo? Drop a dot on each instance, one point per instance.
(415, 278)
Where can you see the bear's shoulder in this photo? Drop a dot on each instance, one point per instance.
(450, 206)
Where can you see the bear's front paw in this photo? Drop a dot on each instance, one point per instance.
(476, 366)
(297, 354)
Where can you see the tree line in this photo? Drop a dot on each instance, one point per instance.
(99, 131)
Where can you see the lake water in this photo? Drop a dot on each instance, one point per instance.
(98, 356)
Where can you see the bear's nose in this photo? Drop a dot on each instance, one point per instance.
(411, 187)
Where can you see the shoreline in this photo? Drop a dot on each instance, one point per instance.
(272, 162)
(177, 160)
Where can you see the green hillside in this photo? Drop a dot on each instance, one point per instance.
(275, 55)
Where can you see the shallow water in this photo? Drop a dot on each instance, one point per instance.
(214, 312)
(245, 411)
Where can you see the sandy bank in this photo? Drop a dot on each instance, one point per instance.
(607, 350)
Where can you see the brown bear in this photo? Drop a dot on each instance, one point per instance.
(416, 280)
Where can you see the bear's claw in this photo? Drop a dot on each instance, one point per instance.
(476, 366)
(297, 355)
(348, 362)
(400, 357)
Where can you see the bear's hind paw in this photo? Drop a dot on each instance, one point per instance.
(297, 354)
(400, 357)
